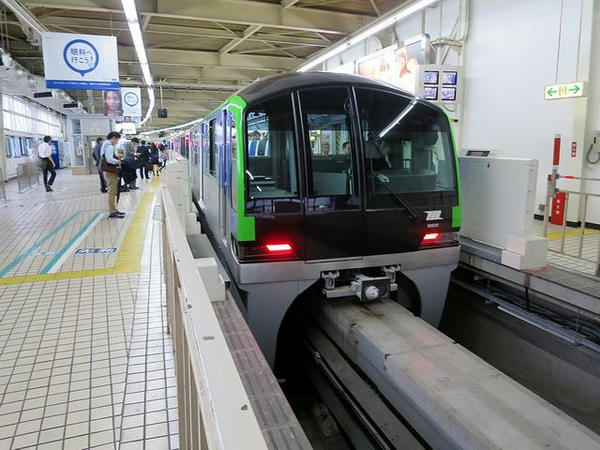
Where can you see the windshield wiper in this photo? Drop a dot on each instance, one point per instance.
(410, 212)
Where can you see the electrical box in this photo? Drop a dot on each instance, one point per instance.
(442, 84)
(497, 197)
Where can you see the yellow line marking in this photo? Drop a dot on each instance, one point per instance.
(571, 233)
(128, 258)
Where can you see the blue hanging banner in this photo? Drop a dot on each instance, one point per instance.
(80, 61)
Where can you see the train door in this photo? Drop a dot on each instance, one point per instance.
(222, 173)
(333, 206)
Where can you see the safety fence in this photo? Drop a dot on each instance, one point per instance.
(587, 246)
(28, 175)
(214, 409)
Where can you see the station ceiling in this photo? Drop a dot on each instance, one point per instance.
(200, 51)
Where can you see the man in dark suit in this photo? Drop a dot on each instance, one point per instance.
(96, 156)
(144, 159)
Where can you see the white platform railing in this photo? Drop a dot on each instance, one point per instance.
(214, 410)
(2, 185)
(28, 174)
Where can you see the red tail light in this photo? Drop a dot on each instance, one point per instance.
(430, 237)
(279, 248)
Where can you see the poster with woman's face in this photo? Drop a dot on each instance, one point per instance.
(396, 66)
(112, 103)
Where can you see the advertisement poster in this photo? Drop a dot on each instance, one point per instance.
(131, 101)
(113, 107)
(397, 66)
(80, 61)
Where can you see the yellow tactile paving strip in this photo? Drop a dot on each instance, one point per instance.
(126, 235)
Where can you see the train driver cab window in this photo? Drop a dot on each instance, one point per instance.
(407, 148)
(271, 154)
(326, 115)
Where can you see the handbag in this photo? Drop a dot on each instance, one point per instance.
(42, 163)
(106, 167)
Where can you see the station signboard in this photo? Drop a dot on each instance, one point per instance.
(565, 90)
(80, 61)
(131, 101)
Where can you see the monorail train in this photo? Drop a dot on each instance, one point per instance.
(328, 178)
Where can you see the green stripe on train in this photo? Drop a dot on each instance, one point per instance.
(246, 230)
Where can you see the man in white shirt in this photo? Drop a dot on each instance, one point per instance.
(45, 155)
(108, 152)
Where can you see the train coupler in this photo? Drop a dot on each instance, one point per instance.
(366, 288)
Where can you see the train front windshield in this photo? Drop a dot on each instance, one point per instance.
(407, 147)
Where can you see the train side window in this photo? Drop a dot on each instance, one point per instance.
(326, 115)
(271, 154)
(212, 148)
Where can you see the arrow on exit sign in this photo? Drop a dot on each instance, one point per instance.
(566, 90)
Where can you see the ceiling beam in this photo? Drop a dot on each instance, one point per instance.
(288, 3)
(154, 30)
(146, 22)
(233, 12)
(237, 41)
(210, 59)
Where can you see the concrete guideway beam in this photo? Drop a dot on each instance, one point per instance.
(228, 11)
(451, 397)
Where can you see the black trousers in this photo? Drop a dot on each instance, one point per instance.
(103, 185)
(144, 171)
(49, 168)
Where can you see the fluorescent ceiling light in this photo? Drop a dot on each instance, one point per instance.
(368, 31)
(174, 127)
(138, 42)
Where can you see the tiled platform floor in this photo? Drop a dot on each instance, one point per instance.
(84, 362)
(570, 260)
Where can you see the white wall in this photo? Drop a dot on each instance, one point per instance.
(510, 55)
(593, 119)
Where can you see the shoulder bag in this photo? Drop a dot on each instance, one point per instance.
(106, 167)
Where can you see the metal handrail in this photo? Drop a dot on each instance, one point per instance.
(214, 409)
(551, 193)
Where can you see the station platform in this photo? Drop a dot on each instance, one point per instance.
(85, 360)
(89, 337)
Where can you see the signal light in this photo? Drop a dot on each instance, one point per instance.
(279, 248)
(429, 237)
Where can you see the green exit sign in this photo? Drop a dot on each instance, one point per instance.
(565, 90)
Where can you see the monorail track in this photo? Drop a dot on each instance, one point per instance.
(393, 381)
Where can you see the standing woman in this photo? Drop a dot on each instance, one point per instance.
(154, 158)
(47, 163)
(111, 167)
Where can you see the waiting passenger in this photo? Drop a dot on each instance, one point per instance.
(96, 156)
(154, 158)
(130, 164)
(144, 159)
(108, 152)
(47, 163)
(346, 148)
